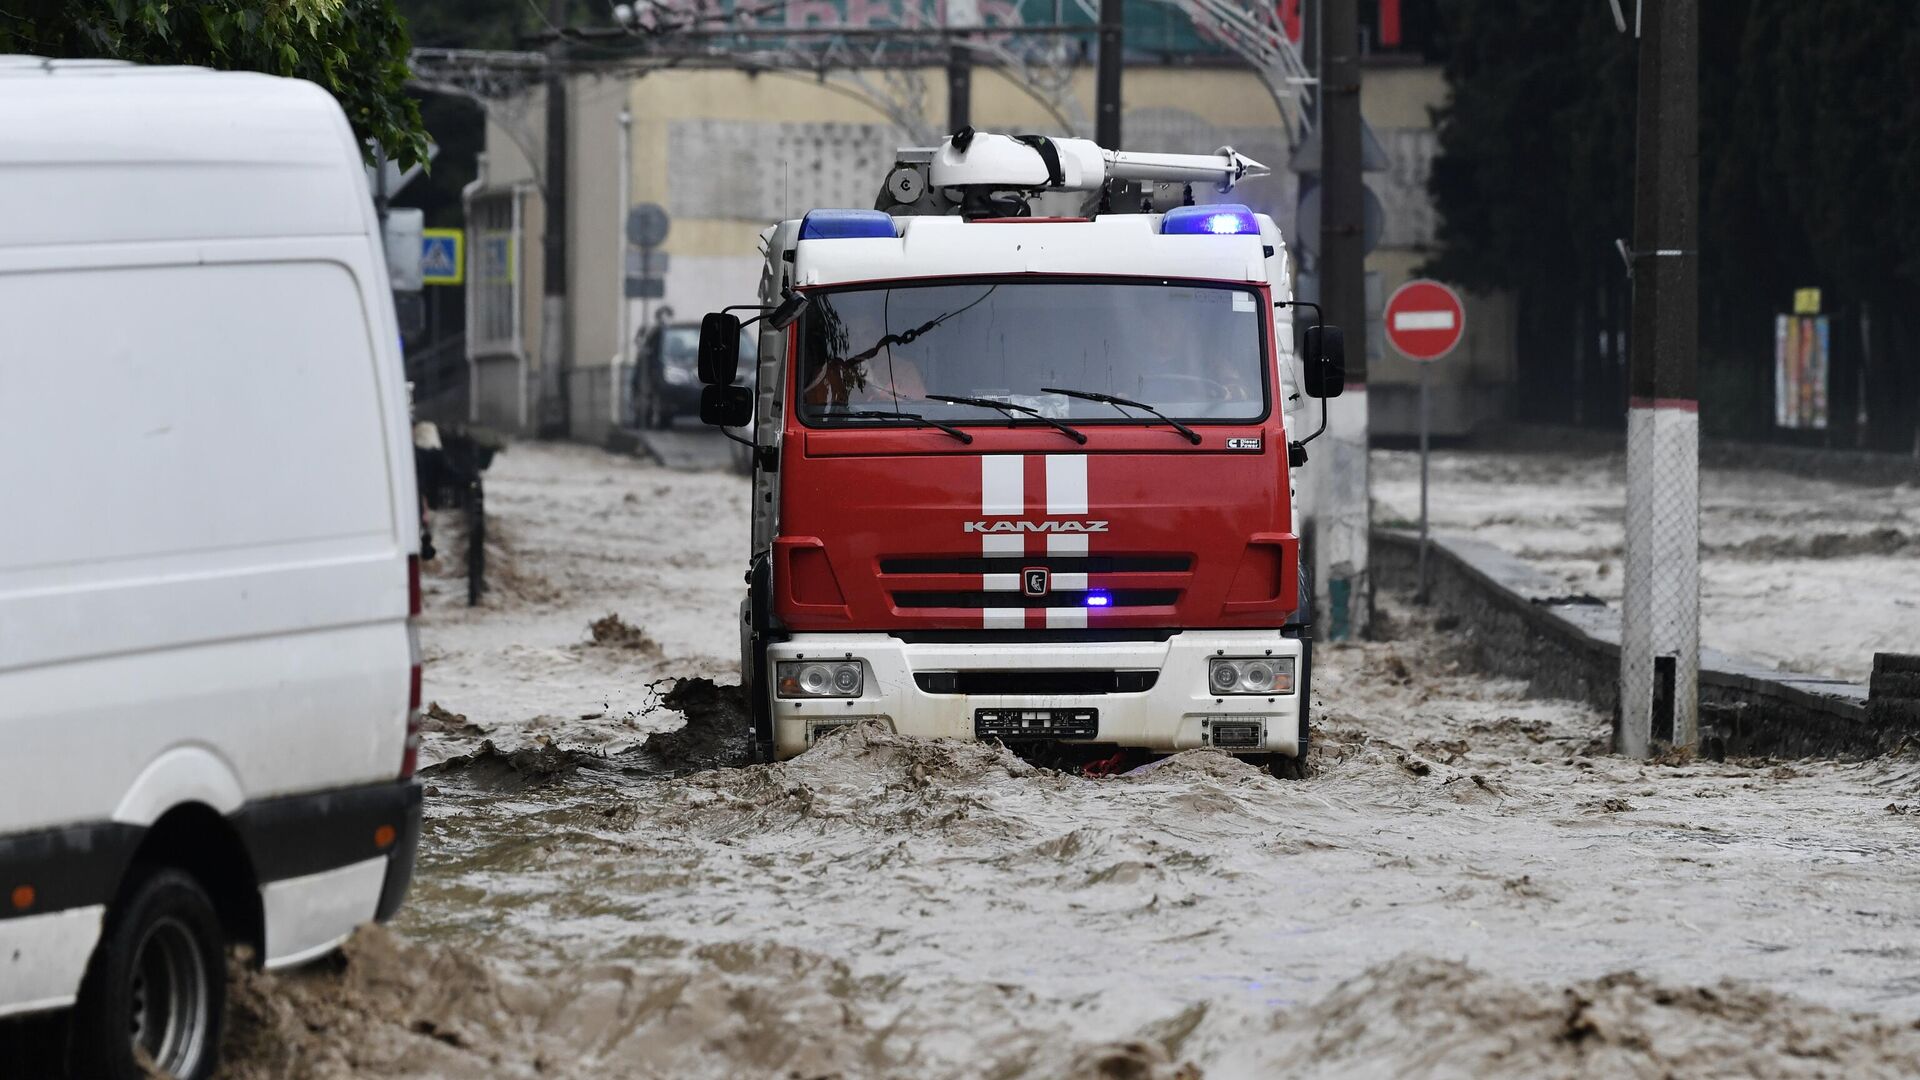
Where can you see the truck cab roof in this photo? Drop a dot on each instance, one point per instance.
(1109, 245)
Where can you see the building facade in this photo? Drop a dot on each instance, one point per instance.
(726, 153)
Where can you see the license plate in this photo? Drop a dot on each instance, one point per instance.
(1007, 724)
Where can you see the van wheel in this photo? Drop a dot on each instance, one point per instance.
(156, 987)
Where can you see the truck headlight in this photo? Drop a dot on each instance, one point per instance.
(1228, 675)
(819, 678)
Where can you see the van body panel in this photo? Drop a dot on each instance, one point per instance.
(307, 916)
(183, 155)
(183, 774)
(45, 956)
(207, 498)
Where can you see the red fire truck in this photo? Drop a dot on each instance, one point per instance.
(1027, 477)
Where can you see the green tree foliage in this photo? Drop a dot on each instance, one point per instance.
(356, 49)
(1809, 158)
(1531, 138)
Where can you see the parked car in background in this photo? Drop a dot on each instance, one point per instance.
(209, 572)
(666, 375)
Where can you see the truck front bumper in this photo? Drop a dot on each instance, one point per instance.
(1177, 712)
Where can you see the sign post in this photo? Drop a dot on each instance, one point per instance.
(647, 228)
(1425, 320)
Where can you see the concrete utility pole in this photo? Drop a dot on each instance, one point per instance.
(556, 378)
(1660, 610)
(1107, 79)
(1343, 509)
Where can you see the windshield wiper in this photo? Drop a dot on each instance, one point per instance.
(1010, 409)
(1116, 401)
(913, 418)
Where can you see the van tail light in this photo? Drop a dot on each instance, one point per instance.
(410, 757)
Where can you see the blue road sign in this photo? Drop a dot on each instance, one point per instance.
(440, 257)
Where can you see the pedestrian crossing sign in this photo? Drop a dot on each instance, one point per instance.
(442, 257)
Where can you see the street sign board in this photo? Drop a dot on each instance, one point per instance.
(647, 225)
(442, 256)
(403, 228)
(647, 262)
(494, 258)
(646, 288)
(1425, 320)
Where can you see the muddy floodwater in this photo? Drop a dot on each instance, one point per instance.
(1467, 885)
(1806, 572)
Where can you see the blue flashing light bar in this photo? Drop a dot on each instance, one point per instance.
(1099, 599)
(846, 225)
(1220, 219)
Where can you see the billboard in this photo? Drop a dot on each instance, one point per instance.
(1800, 365)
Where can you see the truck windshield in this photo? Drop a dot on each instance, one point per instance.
(1195, 352)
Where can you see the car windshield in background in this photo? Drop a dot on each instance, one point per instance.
(680, 347)
(1194, 352)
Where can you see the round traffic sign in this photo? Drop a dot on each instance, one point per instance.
(1425, 320)
(647, 225)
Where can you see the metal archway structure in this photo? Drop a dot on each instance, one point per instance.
(881, 65)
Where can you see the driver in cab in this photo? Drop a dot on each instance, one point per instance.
(877, 374)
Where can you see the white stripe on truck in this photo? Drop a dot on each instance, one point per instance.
(1003, 545)
(1067, 544)
(1003, 485)
(1066, 485)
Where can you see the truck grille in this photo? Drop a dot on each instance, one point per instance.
(1059, 564)
(954, 582)
(1036, 682)
(1122, 598)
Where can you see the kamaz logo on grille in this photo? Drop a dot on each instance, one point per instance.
(1034, 527)
(1035, 581)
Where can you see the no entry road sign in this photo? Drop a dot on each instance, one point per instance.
(1425, 320)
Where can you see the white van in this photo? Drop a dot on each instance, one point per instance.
(208, 550)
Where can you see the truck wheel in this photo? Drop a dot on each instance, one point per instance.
(156, 987)
(1291, 768)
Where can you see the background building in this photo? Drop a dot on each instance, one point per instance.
(727, 152)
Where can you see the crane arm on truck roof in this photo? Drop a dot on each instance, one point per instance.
(968, 167)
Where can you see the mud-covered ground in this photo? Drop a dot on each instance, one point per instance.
(1808, 573)
(1467, 885)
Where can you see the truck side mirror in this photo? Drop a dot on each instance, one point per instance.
(725, 406)
(719, 351)
(1325, 350)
